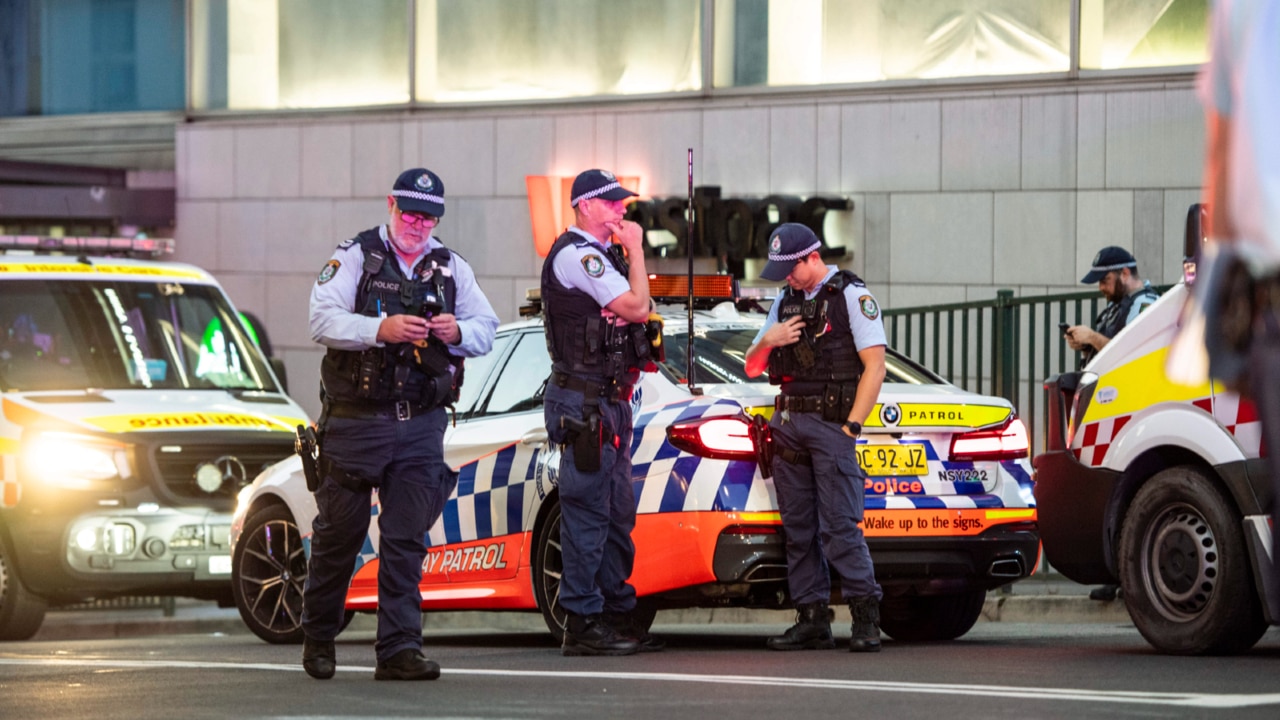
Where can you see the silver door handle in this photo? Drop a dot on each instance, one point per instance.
(534, 438)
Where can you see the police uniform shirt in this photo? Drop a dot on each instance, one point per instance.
(586, 268)
(335, 323)
(864, 314)
(1143, 298)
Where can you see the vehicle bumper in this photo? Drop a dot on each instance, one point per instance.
(947, 564)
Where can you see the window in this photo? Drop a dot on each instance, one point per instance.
(477, 371)
(1127, 34)
(519, 387)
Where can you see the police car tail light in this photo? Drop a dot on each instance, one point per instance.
(720, 438)
(1004, 443)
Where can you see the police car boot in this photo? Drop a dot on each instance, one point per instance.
(865, 631)
(626, 625)
(318, 658)
(812, 630)
(591, 635)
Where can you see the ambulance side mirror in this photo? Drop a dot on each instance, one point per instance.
(1194, 240)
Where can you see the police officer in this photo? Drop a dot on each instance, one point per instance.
(595, 306)
(1116, 272)
(823, 342)
(397, 311)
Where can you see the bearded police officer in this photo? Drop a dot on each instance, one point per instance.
(824, 343)
(595, 305)
(1116, 272)
(397, 311)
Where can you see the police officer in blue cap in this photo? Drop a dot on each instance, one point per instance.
(824, 343)
(398, 312)
(595, 305)
(1115, 270)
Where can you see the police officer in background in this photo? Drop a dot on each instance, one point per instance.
(824, 343)
(1116, 272)
(397, 311)
(595, 306)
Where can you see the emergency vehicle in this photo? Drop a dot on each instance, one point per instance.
(134, 406)
(950, 510)
(1160, 487)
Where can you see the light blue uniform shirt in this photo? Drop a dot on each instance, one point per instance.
(864, 314)
(336, 324)
(589, 270)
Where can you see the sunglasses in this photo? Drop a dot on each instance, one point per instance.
(415, 219)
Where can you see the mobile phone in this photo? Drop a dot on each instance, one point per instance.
(1063, 327)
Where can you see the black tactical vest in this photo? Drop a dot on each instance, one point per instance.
(402, 371)
(1113, 318)
(825, 353)
(580, 340)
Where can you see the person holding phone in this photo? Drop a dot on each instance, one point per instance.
(1115, 270)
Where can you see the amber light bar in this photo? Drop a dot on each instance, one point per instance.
(676, 287)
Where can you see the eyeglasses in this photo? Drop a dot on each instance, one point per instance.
(415, 219)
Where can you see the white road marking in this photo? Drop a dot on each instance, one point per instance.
(1186, 699)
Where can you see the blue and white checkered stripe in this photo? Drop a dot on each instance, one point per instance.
(495, 496)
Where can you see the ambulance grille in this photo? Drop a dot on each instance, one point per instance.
(178, 464)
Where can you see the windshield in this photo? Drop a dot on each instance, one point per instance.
(721, 357)
(75, 335)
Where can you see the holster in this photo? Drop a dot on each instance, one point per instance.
(587, 436)
(308, 448)
(762, 439)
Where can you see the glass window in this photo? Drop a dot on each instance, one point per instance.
(85, 56)
(807, 42)
(1143, 33)
(480, 50)
(520, 386)
(476, 374)
(269, 54)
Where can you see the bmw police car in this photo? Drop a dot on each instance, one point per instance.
(134, 406)
(950, 511)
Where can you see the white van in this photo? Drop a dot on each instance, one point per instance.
(135, 404)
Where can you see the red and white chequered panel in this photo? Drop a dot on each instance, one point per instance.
(1096, 437)
(1240, 418)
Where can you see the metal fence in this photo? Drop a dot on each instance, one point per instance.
(1007, 346)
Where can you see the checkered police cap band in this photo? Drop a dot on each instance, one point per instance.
(795, 255)
(418, 196)
(1109, 268)
(593, 193)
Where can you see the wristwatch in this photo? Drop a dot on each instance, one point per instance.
(854, 428)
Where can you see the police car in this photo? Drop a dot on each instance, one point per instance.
(136, 404)
(950, 512)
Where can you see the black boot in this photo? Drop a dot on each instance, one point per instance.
(812, 630)
(408, 664)
(626, 626)
(319, 658)
(590, 635)
(865, 632)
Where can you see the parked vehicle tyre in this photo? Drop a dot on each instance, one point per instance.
(268, 570)
(924, 618)
(21, 612)
(548, 566)
(1185, 570)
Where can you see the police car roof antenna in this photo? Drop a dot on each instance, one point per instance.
(688, 246)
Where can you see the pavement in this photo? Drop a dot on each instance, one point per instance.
(1040, 599)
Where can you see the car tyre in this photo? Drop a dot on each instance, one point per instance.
(1185, 570)
(928, 618)
(268, 572)
(21, 611)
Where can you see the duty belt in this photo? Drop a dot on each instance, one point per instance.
(799, 403)
(608, 390)
(399, 410)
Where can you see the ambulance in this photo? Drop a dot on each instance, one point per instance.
(950, 512)
(135, 404)
(1159, 487)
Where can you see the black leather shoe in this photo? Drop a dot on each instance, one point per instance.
(812, 630)
(408, 664)
(626, 626)
(318, 658)
(590, 635)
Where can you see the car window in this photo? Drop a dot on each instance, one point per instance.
(519, 387)
(477, 371)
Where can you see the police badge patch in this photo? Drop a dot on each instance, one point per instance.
(424, 183)
(868, 306)
(594, 265)
(775, 245)
(330, 269)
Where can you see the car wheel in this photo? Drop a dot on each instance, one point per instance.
(924, 618)
(21, 612)
(1184, 568)
(268, 570)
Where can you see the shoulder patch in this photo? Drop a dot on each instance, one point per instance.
(868, 305)
(347, 243)
(593, 264)
(326, 274)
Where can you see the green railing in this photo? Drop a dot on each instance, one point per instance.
(1007, 346)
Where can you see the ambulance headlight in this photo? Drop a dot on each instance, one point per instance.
(74, 461)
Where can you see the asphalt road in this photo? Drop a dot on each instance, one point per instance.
(999, 670)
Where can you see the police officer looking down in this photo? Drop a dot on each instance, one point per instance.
(824, 343)
(595, 305)
(397, 311)
(1116, 272)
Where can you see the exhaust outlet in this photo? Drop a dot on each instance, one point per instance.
(1006, 568)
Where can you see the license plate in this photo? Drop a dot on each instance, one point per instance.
(219, 564)
(907, 459)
